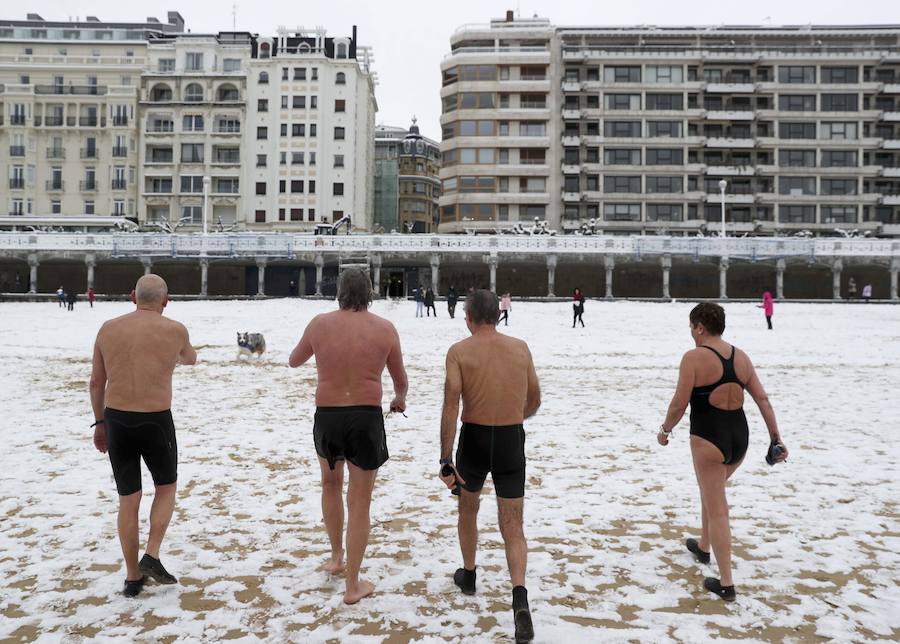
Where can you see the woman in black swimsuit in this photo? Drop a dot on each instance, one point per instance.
(712, 378)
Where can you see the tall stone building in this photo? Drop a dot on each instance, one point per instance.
(633, 130)
(407, 184)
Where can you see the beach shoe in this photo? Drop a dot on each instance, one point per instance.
(694, 546)
(715, 586)
(465, 579)
(154, 568)
(133, 588)
(524, 627)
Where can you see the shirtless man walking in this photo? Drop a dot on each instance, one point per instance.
(352, 348)
(131, 393)
(495, 376)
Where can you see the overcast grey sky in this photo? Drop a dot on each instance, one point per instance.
(410, 38)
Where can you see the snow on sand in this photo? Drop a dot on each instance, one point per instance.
(816, 541)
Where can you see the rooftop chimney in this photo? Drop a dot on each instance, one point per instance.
(510, 15)
(34, 16)
(176, 20)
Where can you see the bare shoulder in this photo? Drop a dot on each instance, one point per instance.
(518, 344)
(386, 324)
(175, 326)
(459, 347)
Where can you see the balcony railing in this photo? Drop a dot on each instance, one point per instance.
(17, 119)
(17, 150)
(118, 120)
(87, 186)
(119, 151)
(49, 121)
(90, 121)
(119, 184)
(17, 183)
(166, 128)
(72, 90)
(88, 153)
(56, 153)
(160, 158)
(55, 186)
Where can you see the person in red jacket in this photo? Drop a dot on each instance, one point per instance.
(91, 296)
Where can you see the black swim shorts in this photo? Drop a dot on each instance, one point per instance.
(499, 450)
(132, 435)
(354, 433)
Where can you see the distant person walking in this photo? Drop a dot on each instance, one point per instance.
(131, 395)
(429, 303)
(851, 289)
(867, 292)
(577, 307)
(452, 298)
(349, 424)
(494, 374)
(714, 386)
(71, 298)
(768, 307)
(61, 296)
(91, 296)
(420, 301)
(505, 308)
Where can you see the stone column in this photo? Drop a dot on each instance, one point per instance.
(551, 275)
(780, 267)
(204, 276)
(320, 264)
(666, 262)
(435, 272)
(723, 278)
(376, 267)
(895, 268)
(33, 263)
(261, 283)
(148, 264)
(610, 263)
(493, 260)
(90, 261)
(836, 269)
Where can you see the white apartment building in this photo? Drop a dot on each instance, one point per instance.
(631, 130)
(310, 145)
(68, 101)
(193, 130)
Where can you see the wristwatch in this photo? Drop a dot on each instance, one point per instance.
(446, 461)
(662, 430)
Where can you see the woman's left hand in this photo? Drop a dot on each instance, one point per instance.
(662, 438)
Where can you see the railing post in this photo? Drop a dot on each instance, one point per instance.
(723, 278)
(435, 262)
(33, 263)
(204, 276)
(493, 260)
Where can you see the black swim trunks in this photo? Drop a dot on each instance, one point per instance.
(132, 435)
(499, 450)
(354, 433)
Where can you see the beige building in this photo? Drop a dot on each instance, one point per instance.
(633, 130)
(68, 103)
(192, 129)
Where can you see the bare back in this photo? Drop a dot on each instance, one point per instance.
(497, 374)
(352, 349)
(708, 370)
(139, 352)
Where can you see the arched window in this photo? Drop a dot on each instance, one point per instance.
(264, 50)
(340, 79)
(228, 92)
(160, 93)
(193, 93)
(304, 48)
(264, 78)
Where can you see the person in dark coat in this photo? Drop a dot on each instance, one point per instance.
(71, 298)
(577, 307)
(452, 298)
(429, 303)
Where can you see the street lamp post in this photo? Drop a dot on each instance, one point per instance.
(722, 185)
(206, 182)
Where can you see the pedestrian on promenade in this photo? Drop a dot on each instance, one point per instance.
(505, 308)
(71, 298)
(429, 302)
(61, 296)
(420, 301)
(452, 298)
(768, 307)
(851, 288)
(91, 296)
(577, 307)
(867, 292)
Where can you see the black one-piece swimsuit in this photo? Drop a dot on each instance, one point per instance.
(725, 428)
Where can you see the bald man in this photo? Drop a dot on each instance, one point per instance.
(131, 393)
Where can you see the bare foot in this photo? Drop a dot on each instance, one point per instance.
(363, 589)
(333, 565)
